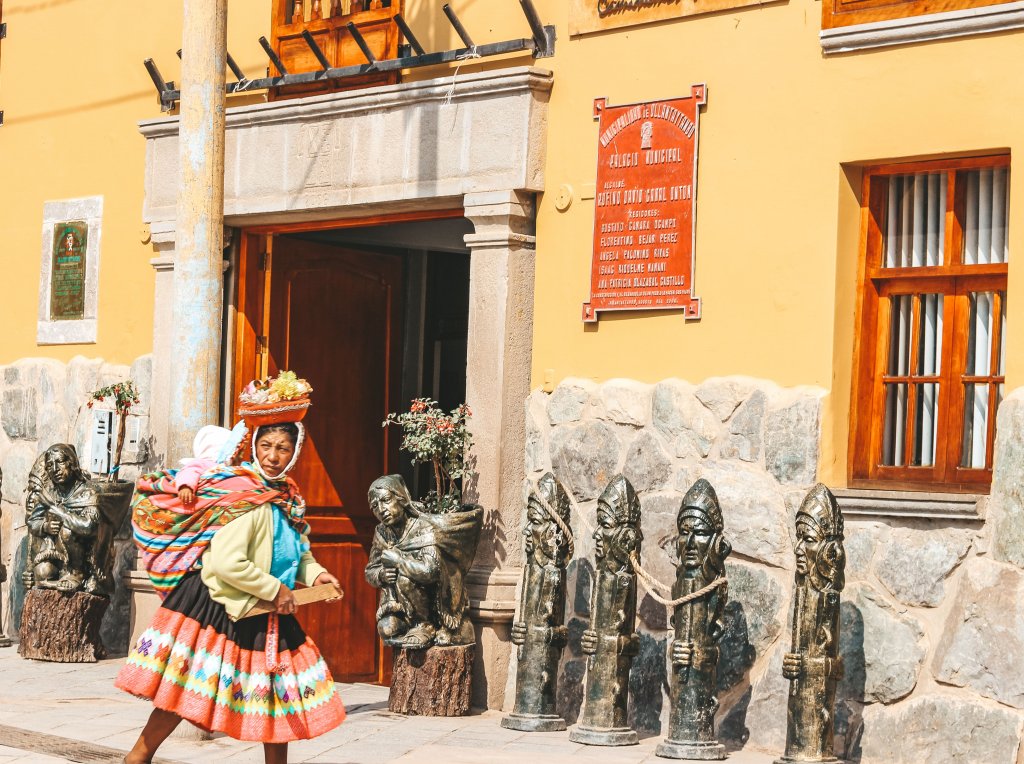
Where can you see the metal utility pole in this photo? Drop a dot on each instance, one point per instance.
(199, 245)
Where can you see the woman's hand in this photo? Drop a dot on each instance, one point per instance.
(327, 578)
(187, 496)
(284, 602)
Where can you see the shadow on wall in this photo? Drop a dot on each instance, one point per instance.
(494, 531)
(115, 630)
(17, 587)
(580, 574)
(850, 697)
(648, 681)
(736, 659)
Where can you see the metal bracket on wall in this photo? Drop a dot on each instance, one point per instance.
(540, 45)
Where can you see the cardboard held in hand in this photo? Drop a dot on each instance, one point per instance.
(305, 596)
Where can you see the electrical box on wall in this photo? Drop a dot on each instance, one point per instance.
(100, 441)
(133, 444)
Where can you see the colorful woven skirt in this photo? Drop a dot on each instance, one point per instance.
(196, 662)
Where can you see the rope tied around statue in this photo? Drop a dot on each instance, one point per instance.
(650, 584)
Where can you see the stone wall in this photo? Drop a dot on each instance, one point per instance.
(42, 402)
(932, 620)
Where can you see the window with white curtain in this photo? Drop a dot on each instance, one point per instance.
(933, 322)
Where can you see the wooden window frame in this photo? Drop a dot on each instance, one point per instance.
(331, 34)
(842, 13)
(955, 280)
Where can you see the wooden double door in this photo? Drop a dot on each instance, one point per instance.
(333, 316)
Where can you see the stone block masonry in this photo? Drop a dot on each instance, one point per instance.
(932, 632)
(42, 402)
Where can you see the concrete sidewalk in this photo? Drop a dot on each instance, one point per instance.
(54, 712)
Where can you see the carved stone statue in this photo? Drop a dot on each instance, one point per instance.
(611, 641)
(702, 549)
(63, 521)
(814, 666)
(419, 561)
(68, 566)
(540, 633)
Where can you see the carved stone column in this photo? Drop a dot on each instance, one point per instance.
(497, 385)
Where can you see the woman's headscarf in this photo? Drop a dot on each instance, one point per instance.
(299, 440)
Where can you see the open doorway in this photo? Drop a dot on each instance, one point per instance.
(372, 316)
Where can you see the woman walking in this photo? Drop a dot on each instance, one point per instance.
(257, 678)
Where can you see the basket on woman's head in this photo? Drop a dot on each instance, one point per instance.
(284, 398)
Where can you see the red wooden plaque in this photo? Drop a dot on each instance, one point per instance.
(645, 206)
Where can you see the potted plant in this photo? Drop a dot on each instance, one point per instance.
(125, 395)
(113, 495)
(441, 440)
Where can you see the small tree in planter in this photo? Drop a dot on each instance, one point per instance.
(437, 631)
(114, 497)
(125, 396)
(440, 439)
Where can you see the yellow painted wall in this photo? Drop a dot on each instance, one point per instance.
(778, 188)
(777, 215)
(72, 88)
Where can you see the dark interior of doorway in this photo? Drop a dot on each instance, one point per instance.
(436, 307)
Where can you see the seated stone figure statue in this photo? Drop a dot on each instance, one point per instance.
(63, 523)
(419, 561)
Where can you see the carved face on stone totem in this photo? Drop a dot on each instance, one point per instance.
(819, 545)
(808, 542)
(545, 540)
(695, 536)
(618, 526)
(537, 532)
(701, 545)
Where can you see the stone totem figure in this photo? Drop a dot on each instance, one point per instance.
(611, 640)
(702, 549)
(814, 666)
(63, 521)
(540, 632)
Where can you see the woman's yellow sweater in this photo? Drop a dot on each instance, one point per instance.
(236, 563)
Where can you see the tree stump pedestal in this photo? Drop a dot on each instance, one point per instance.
(61, 627)
(432, 682)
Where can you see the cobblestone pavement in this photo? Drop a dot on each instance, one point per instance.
(52, 713)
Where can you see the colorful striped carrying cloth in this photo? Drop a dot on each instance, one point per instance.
(173, 537)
